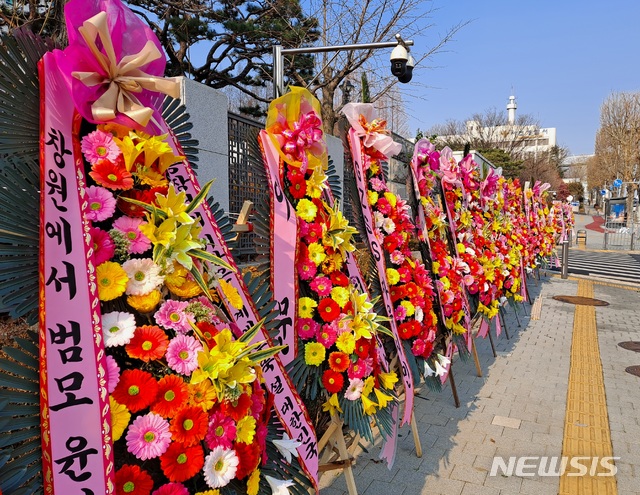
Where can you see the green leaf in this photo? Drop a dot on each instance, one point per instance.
(206, 256)
(249, 334)
(199, 197)
(197, 276)
(147, 207)
(263, 354)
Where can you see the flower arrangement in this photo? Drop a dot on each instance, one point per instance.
(339, 360)
(454, 276)
(189, 412)
(410, 285)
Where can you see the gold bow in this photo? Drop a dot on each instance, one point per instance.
(124, 78)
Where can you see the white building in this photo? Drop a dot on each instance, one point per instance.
(524, 140)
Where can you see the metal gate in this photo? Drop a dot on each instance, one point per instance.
(617, 235)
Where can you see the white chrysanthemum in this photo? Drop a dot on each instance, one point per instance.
(144, 276)
(378, 218)
(354, 390)
(389, 226)
(220, 467)
(118, 328)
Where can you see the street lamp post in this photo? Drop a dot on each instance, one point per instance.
(279, 53)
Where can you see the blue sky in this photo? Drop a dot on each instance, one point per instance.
(562, 58)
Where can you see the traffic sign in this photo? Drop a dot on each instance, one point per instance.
(603, 192)
(617, 183)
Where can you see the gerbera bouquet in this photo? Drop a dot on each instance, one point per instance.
(455, 277)
(188, 409)
(338, 359)
(410, 286)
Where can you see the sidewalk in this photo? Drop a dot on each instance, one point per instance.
(518, 408)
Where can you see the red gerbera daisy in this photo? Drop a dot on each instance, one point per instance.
(338, 361)
(179, 462)
(149, 343)
(132, 480)
(249, 457)
(136, 389)
(209, 331)
(405, 331)
(172, 395)
(362, 348)
(332, 381)
(328, 309)
(111, 175)
(298, 187)
(189, 425)
(340, 279)
(237, 409)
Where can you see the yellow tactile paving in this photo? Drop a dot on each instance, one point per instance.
(586, 428)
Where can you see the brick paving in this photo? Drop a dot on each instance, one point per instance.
(525, 383)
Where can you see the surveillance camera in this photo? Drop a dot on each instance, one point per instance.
(399, 57)
(408, 72)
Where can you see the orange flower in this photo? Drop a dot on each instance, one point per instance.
(189, 425)
(148, 343)
(179, 462)
(172, 395)
(338, 361)
(111, 175)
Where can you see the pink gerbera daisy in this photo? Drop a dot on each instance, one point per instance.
(182, 354)
(327, 334)
(148, 436)
(357, 369)
(102, 204)
(130, 227)
(322, 286)
(172, 315)
(99, 145)
(103, 246)
(171, 489)
(113, 374)
(222, 431)
(307, 328)
(306, 269)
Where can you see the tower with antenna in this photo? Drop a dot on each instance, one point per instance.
(511, 109)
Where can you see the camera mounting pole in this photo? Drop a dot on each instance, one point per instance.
(279, 53)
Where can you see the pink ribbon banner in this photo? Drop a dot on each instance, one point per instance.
(76, 421)
(378, 256)
(288, 404)
(284, 240)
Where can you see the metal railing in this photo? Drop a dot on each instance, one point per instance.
(619, 235)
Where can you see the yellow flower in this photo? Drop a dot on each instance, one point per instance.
(231, 293)
(246, 429)
(209, 492)
(146, 303)
(157, 149)
(368, 386)
(316, 253)
(130, 150)
(116, 130)
(460, 248)
(314, 353)
(306, 307)
(375, 168)
(202, 394)
(409, 307)
(368, 405)
(163, 234)
(340, 295)
(435, 266)
(120, 417)
(388, 380)
(383, 399)
(332, 405)
(253, 482)
(306, 210)
(391, 198)
(465, 218)
(372, 197)
(112, 280)
(393, 276)
(316, 183)
(346, 342)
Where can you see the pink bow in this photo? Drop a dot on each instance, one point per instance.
(305, 134)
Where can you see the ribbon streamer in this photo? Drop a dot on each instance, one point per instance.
(125, 78)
